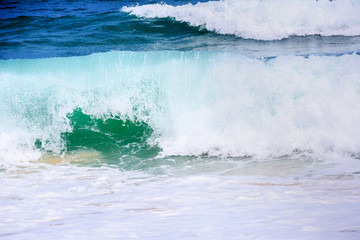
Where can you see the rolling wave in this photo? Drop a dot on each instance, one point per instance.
(263, 20)
(144, 104)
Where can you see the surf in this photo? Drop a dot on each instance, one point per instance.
(156, 104)
(262, 20)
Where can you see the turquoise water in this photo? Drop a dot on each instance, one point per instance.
(179, 120)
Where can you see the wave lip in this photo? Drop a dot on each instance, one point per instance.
(263, 19)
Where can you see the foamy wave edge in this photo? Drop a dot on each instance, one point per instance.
(263, 19)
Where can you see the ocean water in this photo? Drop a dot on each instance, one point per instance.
(232, 119)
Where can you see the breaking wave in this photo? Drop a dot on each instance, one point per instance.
(263, 19)
(149, 104)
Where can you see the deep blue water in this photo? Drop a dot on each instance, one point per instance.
(37, 29)
(40, 29)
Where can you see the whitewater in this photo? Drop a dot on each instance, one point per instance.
(263, 20)
(180, 119)
(224, 104)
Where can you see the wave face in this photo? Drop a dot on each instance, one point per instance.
(263, 20)
(179, 103)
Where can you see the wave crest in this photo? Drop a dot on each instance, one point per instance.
(179, 103)
(263, 20)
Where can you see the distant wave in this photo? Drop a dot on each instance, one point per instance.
(263, 19)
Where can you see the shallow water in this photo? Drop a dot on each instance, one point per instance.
(189, 198)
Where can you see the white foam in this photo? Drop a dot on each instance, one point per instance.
(196, 102)
(96, 203)
(245, 106)
(263, 19)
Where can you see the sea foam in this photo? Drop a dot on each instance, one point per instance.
(195, 102)
(263, 19)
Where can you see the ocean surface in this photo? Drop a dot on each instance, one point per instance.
(173, 119)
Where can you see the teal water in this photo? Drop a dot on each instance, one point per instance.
(115, 138)
(182, 103)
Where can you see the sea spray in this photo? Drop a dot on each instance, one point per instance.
(263, 20)
(222, 104)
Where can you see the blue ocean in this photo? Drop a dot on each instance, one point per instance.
(174, 119)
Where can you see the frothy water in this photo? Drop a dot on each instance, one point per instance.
(224, 104)
(82, 202)
(263, 20)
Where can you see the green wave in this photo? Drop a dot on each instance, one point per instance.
(120, 141)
